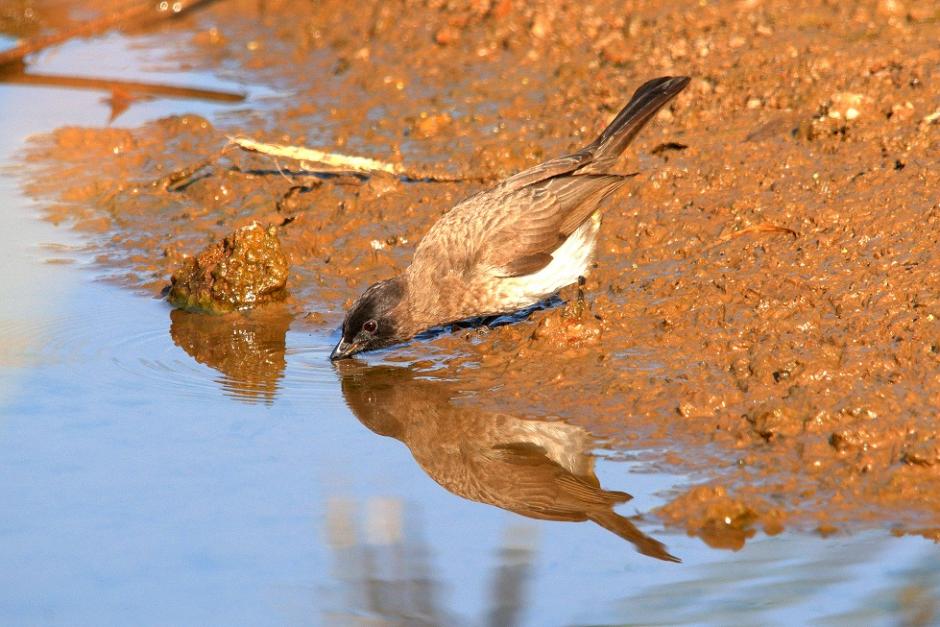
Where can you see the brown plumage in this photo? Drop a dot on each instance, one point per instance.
(539, 469)
(507, 247)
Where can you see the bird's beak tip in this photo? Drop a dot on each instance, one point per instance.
(342, 350)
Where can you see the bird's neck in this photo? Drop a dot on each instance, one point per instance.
(421, 306)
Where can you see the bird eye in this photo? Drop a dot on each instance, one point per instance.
(370, 326)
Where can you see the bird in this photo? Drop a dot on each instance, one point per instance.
(508, 247)
(541, 469)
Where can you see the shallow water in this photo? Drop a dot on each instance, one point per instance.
(128, 499)
(143, 483)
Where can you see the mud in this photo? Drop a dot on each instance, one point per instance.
(245, 269)
(795, 377)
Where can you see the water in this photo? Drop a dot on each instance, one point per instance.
(147, 483)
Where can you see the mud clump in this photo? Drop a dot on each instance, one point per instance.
(246, 269)
(773, 423)
(923, 453)
(573, 326)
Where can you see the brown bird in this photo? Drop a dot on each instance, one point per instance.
(536, 468)
(507, 247)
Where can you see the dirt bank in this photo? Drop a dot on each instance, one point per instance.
(794, 371)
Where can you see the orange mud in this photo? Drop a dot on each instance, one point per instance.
(764, 312)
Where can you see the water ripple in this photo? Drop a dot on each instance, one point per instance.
(245, 356)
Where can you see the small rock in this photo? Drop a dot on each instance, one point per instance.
(846, 105)
(541, 26)
(574, 325)
(902, 112)
(772, 422)
(891, 8)
(429, 125)
(922, 453)
(500, 9)
(848, 440)
(446, 36)
(614, 49)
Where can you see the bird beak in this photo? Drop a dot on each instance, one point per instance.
(343, 350)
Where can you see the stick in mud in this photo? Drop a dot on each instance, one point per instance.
(312, 161)
(178, 179)
(309, 157)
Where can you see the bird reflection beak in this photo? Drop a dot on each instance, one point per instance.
(343, 350)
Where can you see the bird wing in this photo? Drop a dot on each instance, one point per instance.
(506, 234)
(540, 488)
(532, 222)
(546, 170)
(543, 486)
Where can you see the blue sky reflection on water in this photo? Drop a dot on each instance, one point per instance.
(137, 490)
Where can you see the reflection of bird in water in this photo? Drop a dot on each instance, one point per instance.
(247, 348)
(535, 468)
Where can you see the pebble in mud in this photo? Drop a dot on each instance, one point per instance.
(571, 326)
(574, 326)
(245, 269)
(923, 453)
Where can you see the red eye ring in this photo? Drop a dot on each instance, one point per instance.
(371, 326)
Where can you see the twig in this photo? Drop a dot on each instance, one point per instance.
(148, 11)
(308, 157)
(180, 178)
(311, 161)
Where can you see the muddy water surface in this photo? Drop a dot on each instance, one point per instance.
(754, 362)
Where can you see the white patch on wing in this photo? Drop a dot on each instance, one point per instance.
(569, 261)
(566, 445)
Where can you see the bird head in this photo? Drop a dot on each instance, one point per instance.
(371, 322)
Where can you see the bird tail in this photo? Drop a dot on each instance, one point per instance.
(646, 101)
(612, 521)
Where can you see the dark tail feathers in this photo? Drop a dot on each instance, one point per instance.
(612, 521)
(646, 101)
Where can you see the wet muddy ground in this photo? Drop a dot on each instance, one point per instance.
(763, 314)
(798, 371)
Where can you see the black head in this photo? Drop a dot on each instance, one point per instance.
(370, 322)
